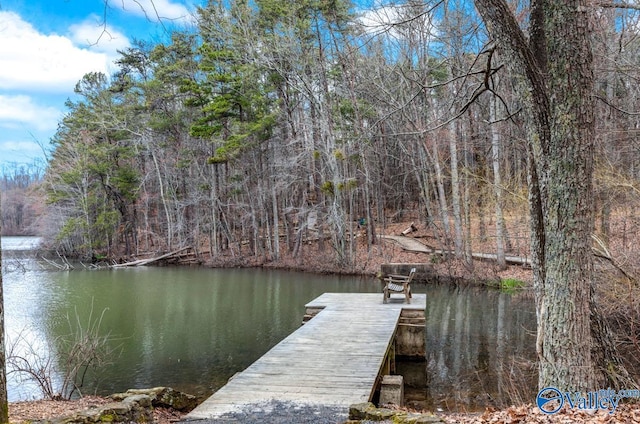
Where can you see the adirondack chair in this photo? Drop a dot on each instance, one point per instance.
(398, 284)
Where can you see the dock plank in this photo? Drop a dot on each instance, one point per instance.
(332, 360)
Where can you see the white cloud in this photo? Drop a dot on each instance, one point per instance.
(397, 20)
(28, 147)
(380, 19)
(21, 110)
(155, 10)
(94, 35)
(33, 61)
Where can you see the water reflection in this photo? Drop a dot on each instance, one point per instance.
(480, 347)
(19, 243)
(189, 328)
(193, 328)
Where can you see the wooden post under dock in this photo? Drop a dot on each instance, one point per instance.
(337, 358)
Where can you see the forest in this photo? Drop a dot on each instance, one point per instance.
(276, 123)
(21, 200)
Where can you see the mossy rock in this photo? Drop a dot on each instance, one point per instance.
(163, 397)
(368, 412)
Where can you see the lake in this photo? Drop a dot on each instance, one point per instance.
(192, 328)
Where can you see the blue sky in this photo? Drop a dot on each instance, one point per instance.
(46, 46)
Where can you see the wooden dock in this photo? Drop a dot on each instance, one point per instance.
(333, 360)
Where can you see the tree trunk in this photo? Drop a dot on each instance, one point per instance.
(497, 184)
(169, 240)
(4, 406)
(444, 209)
(566, 360)
(468, 239)
(455, 190)
(276, 223)
(573, 348)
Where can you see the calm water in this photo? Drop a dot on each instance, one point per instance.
(193, 328)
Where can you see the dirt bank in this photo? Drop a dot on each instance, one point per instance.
(313, 257)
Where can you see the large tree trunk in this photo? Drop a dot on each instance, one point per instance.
(573, 349)
(566, 358)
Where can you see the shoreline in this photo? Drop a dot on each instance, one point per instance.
(368, 263)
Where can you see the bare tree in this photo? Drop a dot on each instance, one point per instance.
(4, 406)
(84, 350)
(497, 183)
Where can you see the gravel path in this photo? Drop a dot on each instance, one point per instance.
(276, 412)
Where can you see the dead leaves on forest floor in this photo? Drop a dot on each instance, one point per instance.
(20, 412)
(39, 410)
(529, 414)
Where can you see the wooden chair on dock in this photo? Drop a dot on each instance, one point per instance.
(398, 284)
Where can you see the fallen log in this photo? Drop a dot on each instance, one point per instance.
(142, 262)
(65, 266)
(414, 245)
(511, 260)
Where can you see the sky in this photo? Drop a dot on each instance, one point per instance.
(46, 46)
